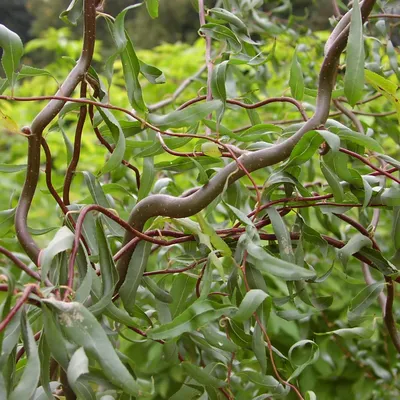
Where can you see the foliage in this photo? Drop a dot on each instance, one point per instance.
(190, 230)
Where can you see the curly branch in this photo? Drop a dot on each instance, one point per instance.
(173, 207)
(41, 122)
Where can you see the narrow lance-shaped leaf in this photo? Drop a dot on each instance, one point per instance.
(249, 304)
(82, 328)
(62, 241)
(201, 376)
(131, 68)
(364, 299)
(147, 179)
(118, 154)
(186, 117)
(222, 33)
(355, 56)
(73, 12)
(198, 315)
(301, 348)
(30, 375)
(268, 264)
(137, 266)
(78, 366)
(12, 52)
(355, 244)
(296, 81)
(109, 274)
(118, 28)
(152, 8)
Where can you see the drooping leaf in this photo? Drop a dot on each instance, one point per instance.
(355, 56)
(152, 8)
(250, 303)
(30, 376)
(62, 241)
(268, 264)
(137, 266)
(186, 117)
(199, 314)
(73, 12)
(303, 362)
(296, 81)
(78, 366)
(118, 153)
(224, 34)
(13, 50)
(82, 328)
(199, 375)
(364, 299)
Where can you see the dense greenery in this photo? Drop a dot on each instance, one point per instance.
(207, 221)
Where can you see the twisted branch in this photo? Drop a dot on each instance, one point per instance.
(180, 207)
(41, 121)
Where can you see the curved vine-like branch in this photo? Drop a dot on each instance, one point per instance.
(169, 206)
(41, 122)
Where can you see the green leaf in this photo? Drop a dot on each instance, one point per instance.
(224, 34)
(44, 355)
(218, 243)
(73, 12)
(197, 315)
(152, 8)
(99, 197)
(118, 31)
(225, 15)
(306, 147)
(241, 216)
(296, 80)
(136, 268)
(383, 265)
(131, 69)
(159, 294)
(12, 52)
(218, 81)
(385, 87)
(199, 375)
(147, 179)
(211, 149)
(8, 169)
(354, 245)
(380, 83)
(364, 299)
(118, 153)
(358, 138)
(282, 235)
(6, 221)
(109, 275)
(78, 366)
(355, 56)
(251, 301)
(268, 264)
(186, 117)
(301, 361)
(350, 333)
(396, 227)
(151, 73)
(62, 241)
(333, 182)
(56, 341)
(30, 376)
(82, 328)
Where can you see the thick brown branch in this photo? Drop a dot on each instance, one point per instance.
(41, 122)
